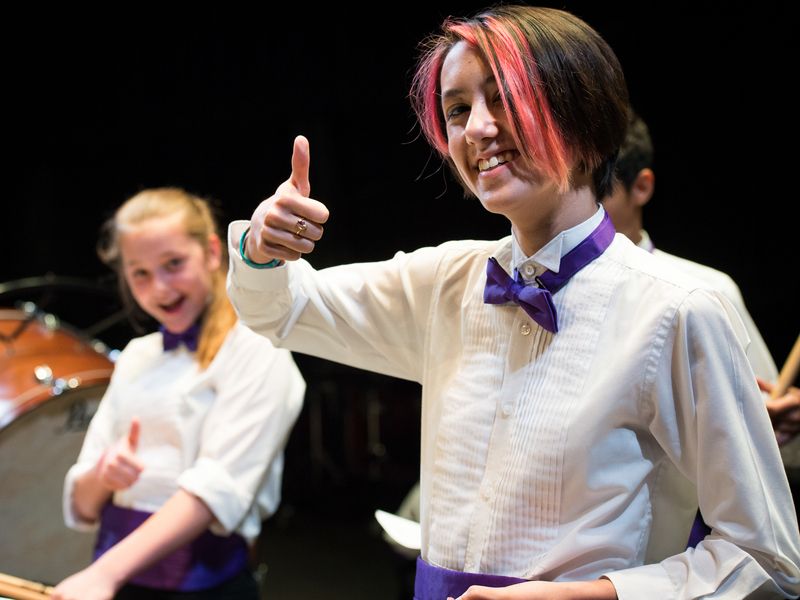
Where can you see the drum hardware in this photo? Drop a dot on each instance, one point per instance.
(60, 385)
(32, 313)
(49, 288)
(43, 374)
(29, 310)
(50, 321)
(102, 348)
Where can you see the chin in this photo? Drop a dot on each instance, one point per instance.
(173, 324)
(495, 203)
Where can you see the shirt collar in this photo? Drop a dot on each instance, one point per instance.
(549, 256)
(645, 243)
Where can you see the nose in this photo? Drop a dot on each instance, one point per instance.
(481, 124)
(161, 283)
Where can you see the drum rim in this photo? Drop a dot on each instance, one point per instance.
(25, 408)
(98, 346)
(27, 401)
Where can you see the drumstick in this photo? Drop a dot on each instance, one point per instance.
(788, 372)
(22, 589)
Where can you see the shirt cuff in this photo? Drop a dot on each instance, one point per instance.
(71, 518)
(647, 581)
(246, 277)
(275, 262)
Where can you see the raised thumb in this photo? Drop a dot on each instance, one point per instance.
(133, 434)
(301, 162)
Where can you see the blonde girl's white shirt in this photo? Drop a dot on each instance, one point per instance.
(569, 456)
(218, 433)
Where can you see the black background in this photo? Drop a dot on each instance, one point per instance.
(100, 104)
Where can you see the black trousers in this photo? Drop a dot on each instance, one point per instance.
(241, 587)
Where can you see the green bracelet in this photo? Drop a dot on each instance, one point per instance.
(267, 265)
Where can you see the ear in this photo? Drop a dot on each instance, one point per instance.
(643, 187)
(214, 252)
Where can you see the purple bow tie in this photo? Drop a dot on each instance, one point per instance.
(188, 338)
(537, 302)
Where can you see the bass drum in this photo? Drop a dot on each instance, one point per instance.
(51, 381)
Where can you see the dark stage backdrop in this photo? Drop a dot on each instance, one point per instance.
(101, 105)
(211, 100)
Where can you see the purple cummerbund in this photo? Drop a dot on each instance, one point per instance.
(436, 583)
(204, 563)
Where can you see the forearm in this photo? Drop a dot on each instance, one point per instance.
(600, 589)
(89, 495)
(182, 518)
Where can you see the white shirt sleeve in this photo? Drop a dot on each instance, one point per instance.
(710, 419)
(259, 395)
(370, 315)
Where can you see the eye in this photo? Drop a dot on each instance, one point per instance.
(138, 274)
(455, 110)
(174, 264)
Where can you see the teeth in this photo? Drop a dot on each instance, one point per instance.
(497, 159)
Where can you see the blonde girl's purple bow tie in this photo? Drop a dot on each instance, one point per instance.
(188, 338)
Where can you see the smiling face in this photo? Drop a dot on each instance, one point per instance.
(561, 86)
(480, 142)
(168, 272)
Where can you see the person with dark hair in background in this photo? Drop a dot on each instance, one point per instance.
(568, 377)
(184, 457)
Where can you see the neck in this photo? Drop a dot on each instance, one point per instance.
(572, 208)
(631, 228)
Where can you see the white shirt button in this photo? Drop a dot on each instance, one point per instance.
(506, 409)
(525, 329)
(529, 269)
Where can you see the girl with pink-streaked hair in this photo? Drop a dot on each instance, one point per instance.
(580, 399)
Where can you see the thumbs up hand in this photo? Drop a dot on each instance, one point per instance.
(118, 467)
(286, 225)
